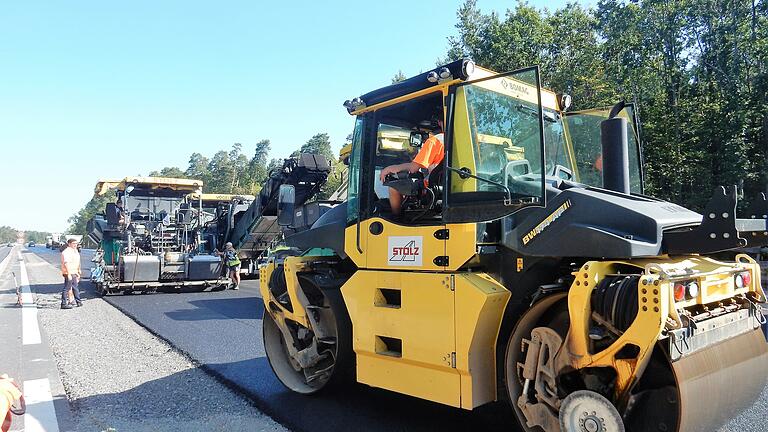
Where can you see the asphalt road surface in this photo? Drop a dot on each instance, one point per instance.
(221, 331)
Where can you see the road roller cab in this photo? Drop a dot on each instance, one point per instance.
(525, 266)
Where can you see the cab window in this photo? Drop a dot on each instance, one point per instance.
(353, 188)
(401, 132)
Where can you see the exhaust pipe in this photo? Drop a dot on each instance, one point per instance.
(615, 146)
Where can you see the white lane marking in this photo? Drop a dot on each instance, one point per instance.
(30, 329)
(41, 415)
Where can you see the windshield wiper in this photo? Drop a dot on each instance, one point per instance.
(548, 117)
(465, 173)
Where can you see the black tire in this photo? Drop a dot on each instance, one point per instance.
(286, 371)
(530, 319)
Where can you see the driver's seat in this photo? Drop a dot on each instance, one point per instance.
(435, 182)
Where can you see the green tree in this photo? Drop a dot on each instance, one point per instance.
(198, 168)
(96, 205)
(573, 63)
(318, 144)
(241, 179)
(221, 173)
(257, 166)
(8, 234)
(518, 40)
(399, 76)
(170, 172)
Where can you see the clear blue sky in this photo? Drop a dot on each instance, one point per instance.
(95, 89)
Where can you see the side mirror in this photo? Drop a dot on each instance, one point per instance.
(286, 201)
(417, 138)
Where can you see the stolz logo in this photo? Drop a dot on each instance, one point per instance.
(405, 251)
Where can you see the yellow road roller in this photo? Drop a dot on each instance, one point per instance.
(495, 246)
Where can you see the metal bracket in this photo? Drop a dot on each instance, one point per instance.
(441, 261)
(442, 234)
(719, 229)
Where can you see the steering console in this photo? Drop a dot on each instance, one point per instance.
(408, 184)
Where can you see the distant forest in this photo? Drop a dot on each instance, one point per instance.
(8, 235)
(697, 70)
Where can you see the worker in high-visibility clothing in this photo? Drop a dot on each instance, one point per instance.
(232, 262)
(10, 396)
(429, 156)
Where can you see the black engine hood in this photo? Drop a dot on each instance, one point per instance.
(595, 223)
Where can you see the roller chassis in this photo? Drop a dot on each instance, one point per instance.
(582, 297)
(662, 329)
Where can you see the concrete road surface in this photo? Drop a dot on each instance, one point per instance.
(221, 331)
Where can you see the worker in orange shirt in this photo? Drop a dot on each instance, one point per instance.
(9, 394)
(70, 269)
(430, 155)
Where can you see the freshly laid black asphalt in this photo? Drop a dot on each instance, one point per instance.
(221, 331)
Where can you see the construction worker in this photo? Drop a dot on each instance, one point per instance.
(119, 212)
(9, 394)
(232, 262)
(430, 155)
(70, 269)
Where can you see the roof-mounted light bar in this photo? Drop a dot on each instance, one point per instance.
(354, 104)
(460, 69)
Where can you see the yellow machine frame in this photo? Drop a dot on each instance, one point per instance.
(431, 328)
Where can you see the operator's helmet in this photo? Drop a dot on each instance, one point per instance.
(228, 245)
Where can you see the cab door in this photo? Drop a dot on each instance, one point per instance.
(400, 300)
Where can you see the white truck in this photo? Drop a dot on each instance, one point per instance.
(57, 240)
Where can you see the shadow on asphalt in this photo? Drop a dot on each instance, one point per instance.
(174, 397)
(354, 407)
(234, 308)
(50, 288)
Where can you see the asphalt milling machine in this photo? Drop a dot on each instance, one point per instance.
(526, 266)
(253, 229)
(167, 232)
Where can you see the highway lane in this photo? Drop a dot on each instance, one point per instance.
(221, 331)
(4, 251)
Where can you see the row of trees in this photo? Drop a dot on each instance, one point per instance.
(235, 172)
(8, 235)
(225, 172)
(698, 71)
